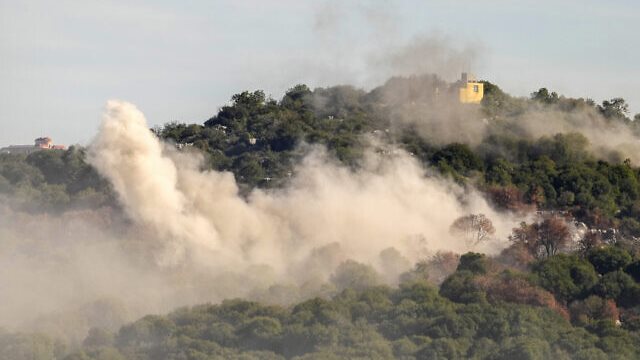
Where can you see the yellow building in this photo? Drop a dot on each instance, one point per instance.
(470, 91)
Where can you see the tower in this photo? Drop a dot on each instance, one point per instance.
(471, 91)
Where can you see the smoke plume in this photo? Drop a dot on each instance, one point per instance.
(608, 139)
(188, 236)
(199, 215)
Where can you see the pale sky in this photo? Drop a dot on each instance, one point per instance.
(60, 61)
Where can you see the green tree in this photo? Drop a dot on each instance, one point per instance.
(619, 286)
(615, 109)
(461, 287)
(353, 275)
(568, 277)
(544, 96)
(473, 262)
(459, 157)
(609, 258)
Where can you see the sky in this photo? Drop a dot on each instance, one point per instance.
(60, 61)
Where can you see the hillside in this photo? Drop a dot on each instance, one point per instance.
(562, 282)
(588, 168)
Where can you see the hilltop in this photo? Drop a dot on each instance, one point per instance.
(564, 283)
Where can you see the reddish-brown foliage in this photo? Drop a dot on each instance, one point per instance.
(516, 256)
(516, 289)
(543, 239)
(440, 266)
(592, 309)
(509, 198)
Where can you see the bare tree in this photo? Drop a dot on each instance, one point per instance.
(543, 239)
(553, 235)
(473, 228)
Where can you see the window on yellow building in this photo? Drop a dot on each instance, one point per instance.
(475, 88)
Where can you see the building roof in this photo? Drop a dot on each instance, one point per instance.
(41, 143)
(18, 149)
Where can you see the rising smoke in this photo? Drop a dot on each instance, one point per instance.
(608, 140)
(188, 236)
(200, 216)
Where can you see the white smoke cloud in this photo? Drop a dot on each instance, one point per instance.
(190, 237)
(200, 216)
(609, 140)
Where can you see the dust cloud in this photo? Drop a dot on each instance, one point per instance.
(188, 236)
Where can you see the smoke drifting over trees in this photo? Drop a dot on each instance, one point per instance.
(194, 238)
(327, 193)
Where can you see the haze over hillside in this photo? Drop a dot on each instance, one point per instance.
(319, 180)
(331, 197)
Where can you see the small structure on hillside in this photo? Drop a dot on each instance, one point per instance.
(41, 143)
(470, 91)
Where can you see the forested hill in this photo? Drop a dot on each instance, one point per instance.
(495, 147)
(566, 285)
